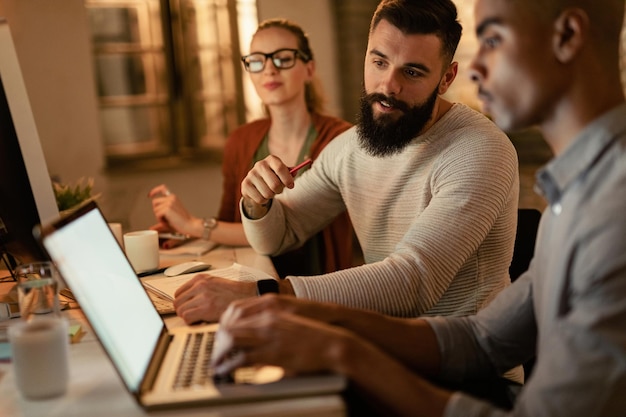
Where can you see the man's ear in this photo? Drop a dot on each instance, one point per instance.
(448, 77)
(571, 32)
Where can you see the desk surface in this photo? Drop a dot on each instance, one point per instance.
(96, 390)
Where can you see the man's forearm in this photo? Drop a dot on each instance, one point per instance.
(411, 342)
(387, 383)
(254, 210)
(285, 287)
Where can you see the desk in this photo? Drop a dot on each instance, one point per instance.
(96, 390)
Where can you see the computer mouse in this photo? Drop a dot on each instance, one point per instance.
(186, 268)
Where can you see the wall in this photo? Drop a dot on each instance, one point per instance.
(462, 89)
(52, 43)
(353, 18)
(317, 21)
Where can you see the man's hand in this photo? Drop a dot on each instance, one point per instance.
(271, 330)
(296, 343)
(205, 297)
(240, 309)
(265, 180)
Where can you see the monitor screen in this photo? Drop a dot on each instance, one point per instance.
(26, 193)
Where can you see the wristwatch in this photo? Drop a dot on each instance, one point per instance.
(266, 286)
(208, 225)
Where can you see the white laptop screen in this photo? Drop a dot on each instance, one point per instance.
(95, 268)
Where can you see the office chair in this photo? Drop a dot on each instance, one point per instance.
(525, 238)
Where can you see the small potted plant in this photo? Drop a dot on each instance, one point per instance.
(69, 197)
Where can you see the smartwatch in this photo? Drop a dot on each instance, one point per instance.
(266, 286)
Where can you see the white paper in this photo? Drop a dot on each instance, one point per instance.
(167, 286)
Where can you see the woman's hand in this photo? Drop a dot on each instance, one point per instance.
(171, 215)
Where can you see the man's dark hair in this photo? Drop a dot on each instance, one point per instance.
(438, 17)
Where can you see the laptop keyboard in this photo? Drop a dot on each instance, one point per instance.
(162, 304)
(194, 367)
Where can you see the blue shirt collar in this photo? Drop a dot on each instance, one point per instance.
(560, 173)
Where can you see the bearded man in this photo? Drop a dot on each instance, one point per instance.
(431, 188)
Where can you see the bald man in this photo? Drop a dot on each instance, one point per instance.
(551, 63)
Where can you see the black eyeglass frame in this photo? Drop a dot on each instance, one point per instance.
(297, 54)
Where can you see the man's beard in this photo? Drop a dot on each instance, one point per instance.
(384, 136)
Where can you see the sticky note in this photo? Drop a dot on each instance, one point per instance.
(5, 352)
(75, 332)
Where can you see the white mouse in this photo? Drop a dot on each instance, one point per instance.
(186, 268)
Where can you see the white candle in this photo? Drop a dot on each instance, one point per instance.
(40, 356)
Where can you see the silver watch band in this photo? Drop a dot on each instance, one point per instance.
(208, 225)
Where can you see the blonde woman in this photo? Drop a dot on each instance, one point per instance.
(282, 69)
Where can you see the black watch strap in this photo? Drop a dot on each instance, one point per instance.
(266, 286)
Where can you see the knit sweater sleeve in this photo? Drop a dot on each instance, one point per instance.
(299, 213)
(436, 222)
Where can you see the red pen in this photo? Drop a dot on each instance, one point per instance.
(293, 171)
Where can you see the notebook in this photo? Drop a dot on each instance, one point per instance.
(161, 288)
(133, 334)
(193, 247)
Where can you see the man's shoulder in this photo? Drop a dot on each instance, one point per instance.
(462, 116)
(337, 151)
(607, 181)
(464, 126)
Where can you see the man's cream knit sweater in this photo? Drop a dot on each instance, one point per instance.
(436, 222)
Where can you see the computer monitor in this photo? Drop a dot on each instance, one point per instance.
(26, 193)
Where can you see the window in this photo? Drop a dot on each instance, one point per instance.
(168, 76)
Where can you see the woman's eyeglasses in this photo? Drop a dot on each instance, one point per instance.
(282, 59)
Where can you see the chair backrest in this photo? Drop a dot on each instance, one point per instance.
(525, 237)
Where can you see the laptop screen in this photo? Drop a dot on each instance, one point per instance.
(96, 270)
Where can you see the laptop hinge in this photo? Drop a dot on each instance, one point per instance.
(155, 363)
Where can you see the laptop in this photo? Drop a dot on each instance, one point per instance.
(145, 354)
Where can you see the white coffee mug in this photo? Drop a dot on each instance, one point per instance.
(142, 250)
